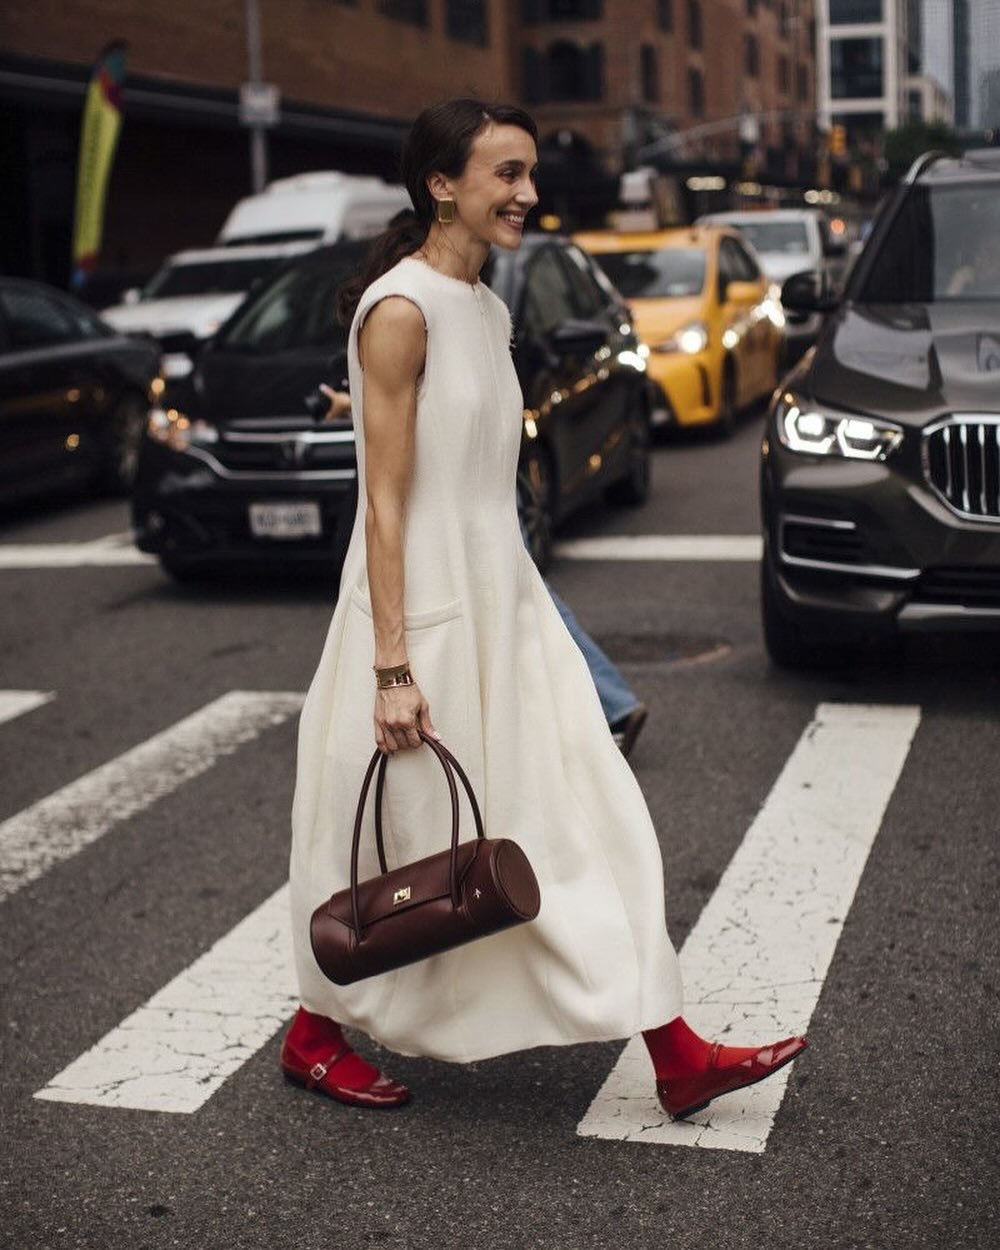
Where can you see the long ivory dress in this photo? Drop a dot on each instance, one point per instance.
(511, 696)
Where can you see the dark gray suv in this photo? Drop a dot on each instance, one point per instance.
(880, 469)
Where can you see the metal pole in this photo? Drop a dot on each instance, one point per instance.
(258, 140)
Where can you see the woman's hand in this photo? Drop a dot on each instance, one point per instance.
(399, 712)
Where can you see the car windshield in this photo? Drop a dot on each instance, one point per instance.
(788, 238)
(943, 245)
(299, 309)
(209, 277)
(669, 272)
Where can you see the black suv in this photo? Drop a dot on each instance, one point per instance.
(880, 474)
(234, 469)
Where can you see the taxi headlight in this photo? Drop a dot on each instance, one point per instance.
(175, 430)
(816, 432)
(690, 339)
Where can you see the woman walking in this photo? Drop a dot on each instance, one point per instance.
(440, 597)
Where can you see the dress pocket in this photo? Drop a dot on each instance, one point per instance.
(413, 620)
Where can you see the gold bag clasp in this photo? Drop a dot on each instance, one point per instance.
(401, 896)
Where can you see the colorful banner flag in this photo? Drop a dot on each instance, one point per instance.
(102, 120)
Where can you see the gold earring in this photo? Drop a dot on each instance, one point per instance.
(445, 211)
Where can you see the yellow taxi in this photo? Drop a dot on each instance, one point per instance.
(706, 313)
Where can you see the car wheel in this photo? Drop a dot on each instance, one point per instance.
(789, 644)
(633, 489)
(128, 422)
(726, 420)
(536, 504)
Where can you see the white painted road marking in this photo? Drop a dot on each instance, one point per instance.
(176, 1050)
(110, 551)
(671, 547)
(63, 823)
(116, 550)
(755, 962)
(14, 703)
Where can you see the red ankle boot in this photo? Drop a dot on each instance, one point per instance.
(315, 1054)
(690, 1071)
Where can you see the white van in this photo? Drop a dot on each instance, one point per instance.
(314, 208)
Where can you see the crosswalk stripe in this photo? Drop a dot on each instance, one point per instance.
(63, 823)
(174, 1052)
(14, 703)
(755, 962)
(108, 552)
(669, 547)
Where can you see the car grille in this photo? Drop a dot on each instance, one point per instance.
(285, 452)
(973, 587)
(961, 458)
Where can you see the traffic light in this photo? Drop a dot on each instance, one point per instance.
(838, 140)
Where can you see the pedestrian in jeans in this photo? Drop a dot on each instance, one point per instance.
(439, 595)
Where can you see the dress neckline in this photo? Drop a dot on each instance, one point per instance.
(469, 286)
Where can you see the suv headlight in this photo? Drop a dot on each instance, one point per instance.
(819, 432)
(176, 431)
(690, 339)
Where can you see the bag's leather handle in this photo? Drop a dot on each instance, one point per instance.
(379, 759)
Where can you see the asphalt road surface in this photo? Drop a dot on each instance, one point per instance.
(144, 817)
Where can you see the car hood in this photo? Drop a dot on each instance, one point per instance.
(194, 314)
(657, 319)
(909, 362)
(230, 386)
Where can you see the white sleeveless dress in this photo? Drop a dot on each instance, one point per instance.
(511, 696)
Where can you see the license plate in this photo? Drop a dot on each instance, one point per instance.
(285, 520)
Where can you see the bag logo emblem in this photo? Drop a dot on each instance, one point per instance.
(401, 896)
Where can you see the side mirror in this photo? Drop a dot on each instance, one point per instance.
(132, 295)
(578, 338)
(808, 292)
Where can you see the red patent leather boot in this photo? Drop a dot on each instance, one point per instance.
(314, 1053)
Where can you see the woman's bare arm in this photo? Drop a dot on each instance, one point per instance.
(392, 347)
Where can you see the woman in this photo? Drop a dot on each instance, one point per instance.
(440, 597)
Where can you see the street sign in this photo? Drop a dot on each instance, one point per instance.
(260, 104)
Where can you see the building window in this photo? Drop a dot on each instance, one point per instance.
(843, 12)
(855, 68)
(751, 56)
(696, 93)
(468, 21)
(575, 73)
(412, 11)
(694, 23)
(751, 8)
(802, 82)
(649, 72)
(533, 12)
(665, 14)
(783, 27)
(783, 74)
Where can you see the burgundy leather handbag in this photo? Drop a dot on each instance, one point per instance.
(473, 889)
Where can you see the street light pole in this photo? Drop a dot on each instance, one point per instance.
(258, 140)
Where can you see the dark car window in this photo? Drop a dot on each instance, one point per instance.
(735, 263)
(548, 299)
(299, 309)
(89, 325)
(590, 299)
(35, 320)
(747, 268)
(667, 272)
(210, 277)
(943, 244)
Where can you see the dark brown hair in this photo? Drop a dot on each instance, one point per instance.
(439, 141)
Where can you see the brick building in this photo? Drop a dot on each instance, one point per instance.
(605, 79)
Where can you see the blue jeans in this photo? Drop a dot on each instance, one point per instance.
(617, 697)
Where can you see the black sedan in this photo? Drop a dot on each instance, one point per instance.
(238, 469)
(74, 395)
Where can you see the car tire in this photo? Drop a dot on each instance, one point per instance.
(632, 490)
(726, 420)
(536, 502)
(128, 422)
(789, 644)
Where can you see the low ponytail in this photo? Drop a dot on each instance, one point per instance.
(440, 141)
(403, 237)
